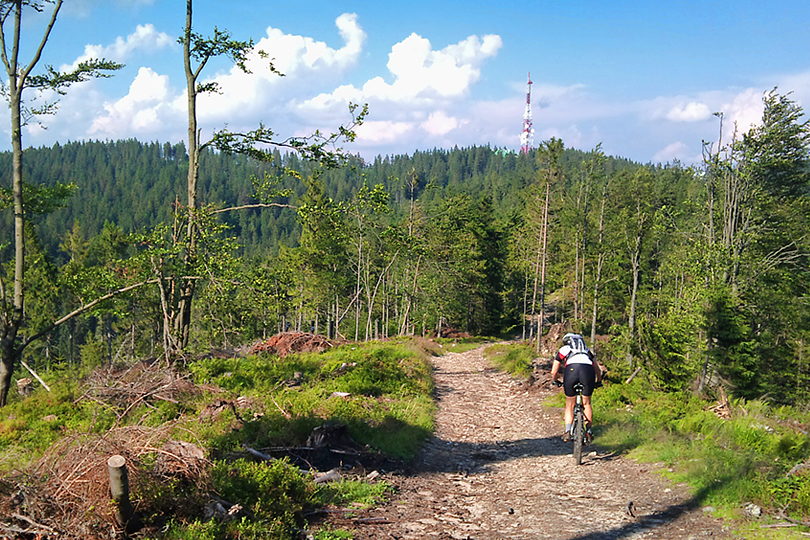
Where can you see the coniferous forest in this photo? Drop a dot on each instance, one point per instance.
(694, 275)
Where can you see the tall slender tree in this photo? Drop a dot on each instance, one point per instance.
(21, 77)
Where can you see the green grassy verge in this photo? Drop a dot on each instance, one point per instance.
(727, 462)
(513, 358)
(382, 392)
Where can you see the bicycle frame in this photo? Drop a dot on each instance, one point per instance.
(578, 428)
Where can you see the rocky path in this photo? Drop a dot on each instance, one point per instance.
(497, 469)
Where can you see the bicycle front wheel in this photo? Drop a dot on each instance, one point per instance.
(578, 433)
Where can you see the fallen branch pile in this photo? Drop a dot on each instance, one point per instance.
(67, 493)
(293, 342)
(141, 383)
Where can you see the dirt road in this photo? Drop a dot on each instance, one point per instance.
(496, 468)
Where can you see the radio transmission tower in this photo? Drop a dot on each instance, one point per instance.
(527, 135)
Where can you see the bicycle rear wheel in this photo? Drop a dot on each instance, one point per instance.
(578, 433)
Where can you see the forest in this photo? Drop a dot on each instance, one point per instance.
(695, 275)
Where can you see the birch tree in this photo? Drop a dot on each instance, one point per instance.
(21, 76)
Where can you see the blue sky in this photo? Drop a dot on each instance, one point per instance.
(640, 77)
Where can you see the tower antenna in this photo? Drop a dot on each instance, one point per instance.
(527, 135)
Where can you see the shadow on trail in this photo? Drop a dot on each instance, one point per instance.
(439, 455)
(649, 522)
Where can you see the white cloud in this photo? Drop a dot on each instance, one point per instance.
(671, 152)
(421, 76)
(145, 38)
(439, 123)
(382, 132)
(292, 54)
(145, 109)
(690, 112)
(743, 111)
(302, 60)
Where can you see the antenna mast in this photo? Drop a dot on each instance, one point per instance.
(527, 135)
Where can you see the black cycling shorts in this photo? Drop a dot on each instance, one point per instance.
(583, 373)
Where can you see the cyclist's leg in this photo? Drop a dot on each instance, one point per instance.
(569, 409)
(569, 378)
(588, 377)
(586, 405)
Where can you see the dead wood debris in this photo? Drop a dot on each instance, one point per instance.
(124, 389)
(286, 343)
(67, 492)
(723, 407)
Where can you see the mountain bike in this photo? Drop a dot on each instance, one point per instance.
(579, 433)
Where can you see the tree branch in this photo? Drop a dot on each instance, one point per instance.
(256, 205)
(42, 43)
(82, 309)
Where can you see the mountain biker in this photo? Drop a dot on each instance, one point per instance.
(579, 365)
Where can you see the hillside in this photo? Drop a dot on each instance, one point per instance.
(133, 184)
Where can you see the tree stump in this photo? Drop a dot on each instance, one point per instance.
(119, 489)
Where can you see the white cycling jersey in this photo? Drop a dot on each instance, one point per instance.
(567, 355)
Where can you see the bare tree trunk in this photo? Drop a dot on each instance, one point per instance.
(182, 322)
(600, 259)
(540, 320)
(17, 75)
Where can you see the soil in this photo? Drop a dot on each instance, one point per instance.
(496, 468)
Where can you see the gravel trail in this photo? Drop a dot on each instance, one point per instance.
(496, 468)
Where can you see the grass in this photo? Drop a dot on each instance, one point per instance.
(388, 406)
(727, 462)
(513, 358)
(385, 402)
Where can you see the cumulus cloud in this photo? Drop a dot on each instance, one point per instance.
(743, 110)
(145, 109)
(302, 60)
(421, 76)
(145, 38)
(671, 152)
(439, 123)
(382, 132)
(420, 79)
(690, 112)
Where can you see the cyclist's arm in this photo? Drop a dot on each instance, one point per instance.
(555, 370)
(599, 369)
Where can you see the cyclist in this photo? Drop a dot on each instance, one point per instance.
(579, 365)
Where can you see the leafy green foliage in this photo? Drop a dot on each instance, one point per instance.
(275, 491)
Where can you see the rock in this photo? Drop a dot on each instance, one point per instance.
(752, 510)
(708, 509)
(25, 386)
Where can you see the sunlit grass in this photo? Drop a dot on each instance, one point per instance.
(513, 358)
(727, 462)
